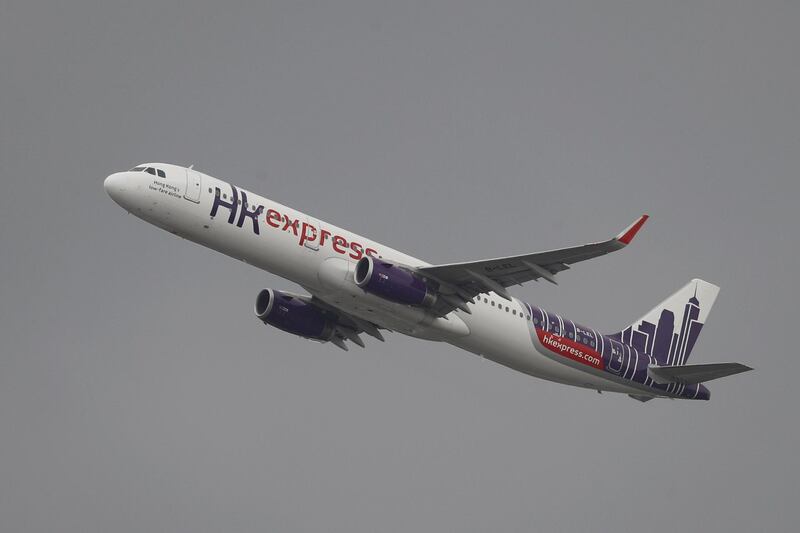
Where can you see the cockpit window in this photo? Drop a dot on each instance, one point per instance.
(154, 171)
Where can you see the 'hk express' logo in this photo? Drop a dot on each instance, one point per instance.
(307, 234)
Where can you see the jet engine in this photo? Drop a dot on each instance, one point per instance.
(293, 315)
(393, 282)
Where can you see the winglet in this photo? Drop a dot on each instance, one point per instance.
(629, 233)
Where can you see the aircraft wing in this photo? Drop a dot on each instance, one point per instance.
(460, 282)
(347, 327)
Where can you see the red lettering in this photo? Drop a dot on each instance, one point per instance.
(273, 218)
(323, 233)
(305, 235)
(308, 233)
(339, 241)
(357, 252)
(287, 224)
(571, 349)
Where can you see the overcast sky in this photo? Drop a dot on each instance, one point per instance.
(139, 393)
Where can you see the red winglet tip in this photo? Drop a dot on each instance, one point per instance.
(630, 232)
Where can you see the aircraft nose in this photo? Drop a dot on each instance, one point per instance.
(114, 184)
(119, 187)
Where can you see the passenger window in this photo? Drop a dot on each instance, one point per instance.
(514, 312)
(209, 190)
(492, 303)
(161, 173)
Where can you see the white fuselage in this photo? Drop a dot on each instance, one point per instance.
(181, 202)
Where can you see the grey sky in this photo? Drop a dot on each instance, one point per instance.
(138, 392)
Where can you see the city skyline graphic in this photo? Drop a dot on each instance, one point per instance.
(661, 341)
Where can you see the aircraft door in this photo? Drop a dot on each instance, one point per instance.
(193, 184)
(312, 234)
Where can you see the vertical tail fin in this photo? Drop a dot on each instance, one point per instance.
(670, 330)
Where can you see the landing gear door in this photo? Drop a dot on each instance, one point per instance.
(193, 184)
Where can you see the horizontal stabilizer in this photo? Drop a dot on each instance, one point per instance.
(691, 374)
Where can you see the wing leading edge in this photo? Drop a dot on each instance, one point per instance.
(460, 282)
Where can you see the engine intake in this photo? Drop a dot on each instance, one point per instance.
(293, 315)
(393, 282)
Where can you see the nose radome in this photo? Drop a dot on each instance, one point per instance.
(113, 184)
(120, 188)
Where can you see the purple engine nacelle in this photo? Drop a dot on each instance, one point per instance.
(293, 315)
(393, 282)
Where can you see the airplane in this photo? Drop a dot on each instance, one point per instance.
(358, 286)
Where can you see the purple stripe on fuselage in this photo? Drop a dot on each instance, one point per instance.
(627, 361)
